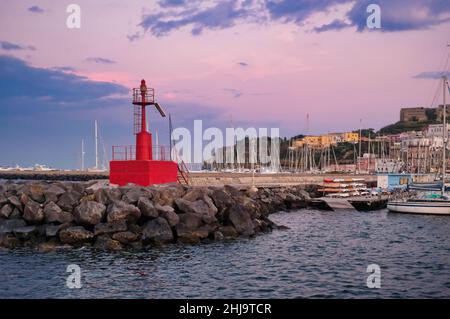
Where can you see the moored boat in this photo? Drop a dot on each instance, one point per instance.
(417, 206)
(435, 206)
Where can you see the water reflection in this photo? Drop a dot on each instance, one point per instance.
(322, 255)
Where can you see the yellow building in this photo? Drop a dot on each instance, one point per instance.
(351, 137)
(326, 140)
(314, 141)
(336, 138)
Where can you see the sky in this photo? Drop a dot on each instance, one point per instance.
(247, 63)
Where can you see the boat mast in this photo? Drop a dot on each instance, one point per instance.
(96, 144)
(359, 153)
(82, 154)
(444, 133)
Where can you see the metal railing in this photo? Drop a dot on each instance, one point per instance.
(149, 96)
(161, 153)
(123, 153)
(128, 153)
(137, 119)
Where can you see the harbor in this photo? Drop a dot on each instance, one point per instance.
(149, 196)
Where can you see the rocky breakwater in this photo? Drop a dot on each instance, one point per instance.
(49, 215)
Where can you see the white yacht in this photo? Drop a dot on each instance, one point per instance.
(421, 206)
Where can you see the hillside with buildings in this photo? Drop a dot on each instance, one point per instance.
(412, 144)
(415, 119)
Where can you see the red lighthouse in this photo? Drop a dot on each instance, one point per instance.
(144, 164)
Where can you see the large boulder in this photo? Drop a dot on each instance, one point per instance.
(222, 200)
(33, 212)
(24, 198)
(16, 214)
(3, 199)
(35, 192)
(228, 231)
(108, 196)
(79, 187)
(264, 224)
(8, 225)
(193, 236)
(6, 210)
(26, 232)
(69, 200)
(294, 202)
(13, 188)
(190, 221)
(89, 213)
(169, 214)
(196, 193)
(212, 208)
(135, 228)
(104, 242)
(191, 228)
(303, 194)
(218, 235)
(53, 192)
(15, 201)
(233, 190)
(199, 207)
(53, 230)
(252, 192)
(95, 186)
(109, 228)
(241, 220)
(164, 209)
(122, 211)
(147, 208)
(9, 241)
(166, 195)
(47, 246)
(54, 214)
(157, 231)
(125, 237)
(134, 194)
(250, 205)
(75, 235)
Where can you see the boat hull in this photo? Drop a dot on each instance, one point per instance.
(420, 207)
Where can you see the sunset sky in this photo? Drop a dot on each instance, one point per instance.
(249, 63)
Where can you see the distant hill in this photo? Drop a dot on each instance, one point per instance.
(401, 127)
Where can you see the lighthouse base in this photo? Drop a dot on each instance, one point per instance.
(144, 173)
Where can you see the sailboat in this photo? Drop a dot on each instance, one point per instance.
(430, 206)
(97, 167)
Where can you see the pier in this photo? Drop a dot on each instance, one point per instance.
(361, 203)
(197, 178)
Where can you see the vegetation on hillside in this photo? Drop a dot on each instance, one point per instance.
(401, 127)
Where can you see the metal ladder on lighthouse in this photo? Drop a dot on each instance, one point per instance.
(183, 176)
